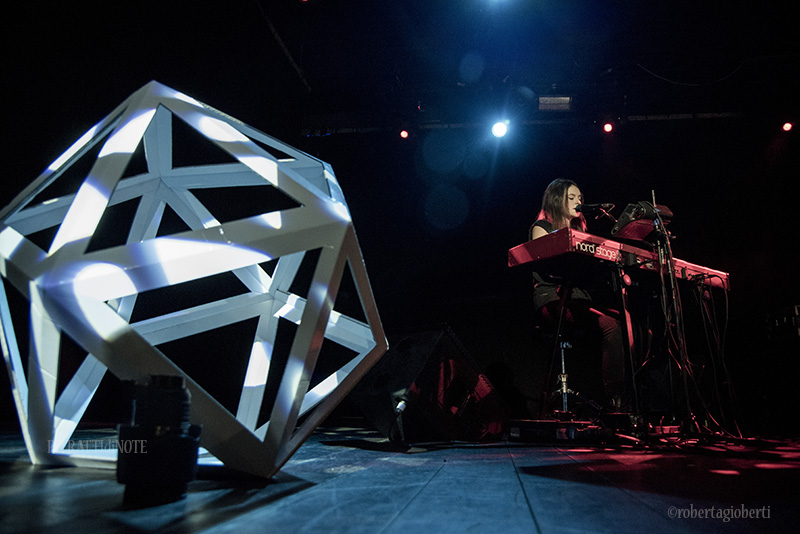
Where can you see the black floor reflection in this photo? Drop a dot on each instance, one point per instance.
(362, 482)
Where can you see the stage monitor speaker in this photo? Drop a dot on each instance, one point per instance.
(425, 388)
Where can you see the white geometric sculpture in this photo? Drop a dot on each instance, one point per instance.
(89, 292)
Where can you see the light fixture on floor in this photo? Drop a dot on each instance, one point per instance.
(158, 450)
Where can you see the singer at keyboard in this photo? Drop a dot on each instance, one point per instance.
(559, 203)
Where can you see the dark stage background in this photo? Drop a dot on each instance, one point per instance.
(436, 213)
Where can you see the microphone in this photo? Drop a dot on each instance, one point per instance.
(593, 208)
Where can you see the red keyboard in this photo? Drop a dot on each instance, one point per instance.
(571, 253)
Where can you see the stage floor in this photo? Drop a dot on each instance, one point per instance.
(351, 479)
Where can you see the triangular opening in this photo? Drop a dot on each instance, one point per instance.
(305, 273)
(191, 148)
(216, 359)
(348, 301)
(70, 178)
(158, 302)
(114, 226)
(67, 183)
(111, 403)
(171, 223)
(232, 203)
(332, 357)
(280, 355)
(64, 185)
(19, 308)
(44, 238)
(269, 266)
(137, 164)
(70, 358)
(277, 153)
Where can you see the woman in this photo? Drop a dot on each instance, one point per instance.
(559, 203)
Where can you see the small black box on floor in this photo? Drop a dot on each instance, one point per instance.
(548, 430)
(625, 423)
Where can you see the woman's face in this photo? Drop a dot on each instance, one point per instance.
(574, 198)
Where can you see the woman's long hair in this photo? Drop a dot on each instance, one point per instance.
(554, 207)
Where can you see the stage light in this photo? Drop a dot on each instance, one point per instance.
(608, 127)
(787, 126)
(161, 445)
(499, 129)
(404, 134)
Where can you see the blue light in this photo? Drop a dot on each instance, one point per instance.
(499, 129)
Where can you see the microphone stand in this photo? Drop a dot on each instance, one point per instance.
(673, 308)
(602, 213)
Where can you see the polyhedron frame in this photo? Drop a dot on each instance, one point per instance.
(91, 295)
